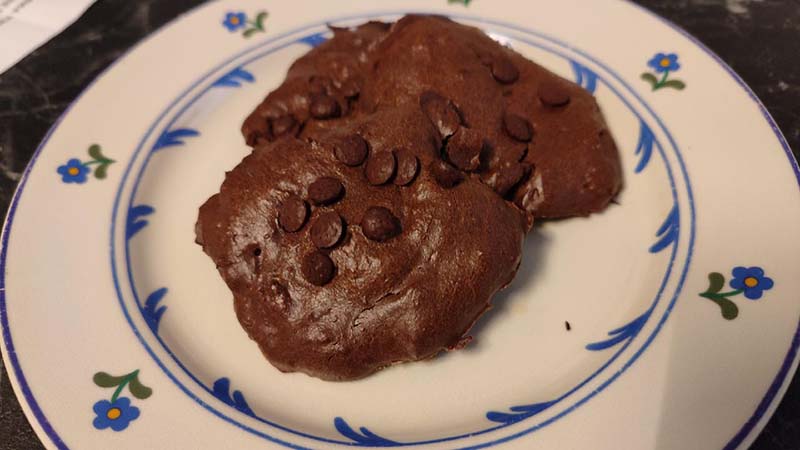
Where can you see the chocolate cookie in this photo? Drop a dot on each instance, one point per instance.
(389, 272)
(484, 99)
(394, 175)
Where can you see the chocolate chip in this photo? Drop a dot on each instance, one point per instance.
(328, 229)
(517, 127)
(464, 149)
(379, 224)
(380, 167)
(283, 125)
(504, 71)
(509, 177)
(318, 268)
(324, 107)
(292, 214)
(407, 167)
(446, 175)
(442, 113)
(553, 94)
(351, 150)
(325, 190)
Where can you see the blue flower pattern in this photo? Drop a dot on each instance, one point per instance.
(74, 171)
(752, 281)
(235, 21)
(116, 415)
(664, 62)
(77, 171)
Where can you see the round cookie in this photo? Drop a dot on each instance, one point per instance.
(522, 118)
(387, 273)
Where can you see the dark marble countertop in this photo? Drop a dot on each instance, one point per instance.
(758, 38)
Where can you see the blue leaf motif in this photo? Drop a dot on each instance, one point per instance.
(669, 231)
(174, 137)
(620, 334)
(235, 78)
(314, 39)
(584, 76)
(645, 146)
(152, 312)
(135, 222)
(518, 413)
(221, 390)
(365, 438)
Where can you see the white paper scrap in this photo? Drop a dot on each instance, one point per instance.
(27, 24)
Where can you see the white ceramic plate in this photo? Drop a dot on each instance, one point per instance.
(681, 300)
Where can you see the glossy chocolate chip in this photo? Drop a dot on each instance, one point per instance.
(379, 224)
(324, 107)
(442, 113)
(327, 230)
(407, 167)
(293, 213)
(553, 94)
(504, 71)
(380, 167)
(283, 125)
(351, 150)
(464, 149)
(517, 127)
(318, 268)
(509, 177)
(325, 190)
(445, 175)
